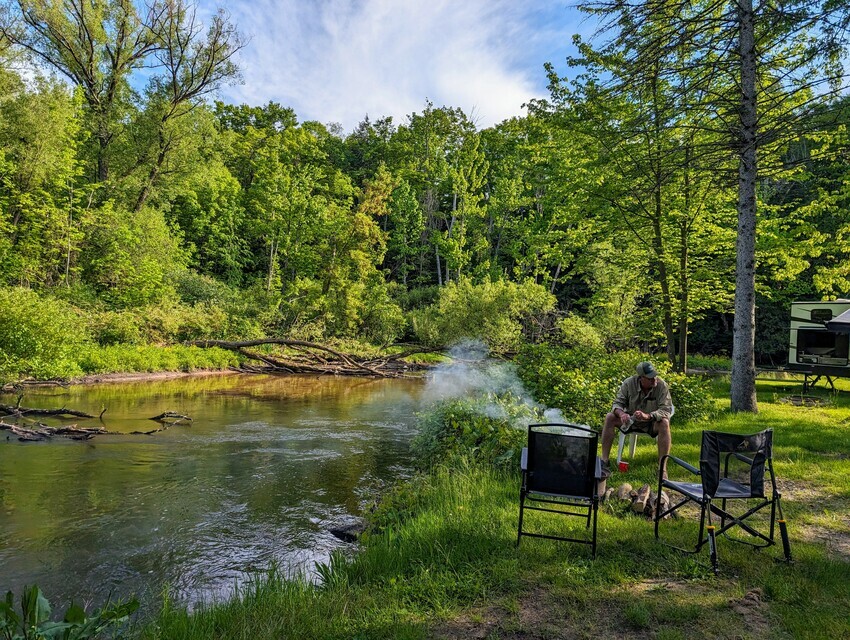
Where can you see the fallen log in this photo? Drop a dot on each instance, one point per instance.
(165, 416)
(44, 432)
(308, 360)
(17, 410)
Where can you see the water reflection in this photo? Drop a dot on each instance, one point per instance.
(267, 464)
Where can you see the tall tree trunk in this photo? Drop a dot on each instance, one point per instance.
(743, 392)
(663, 280)
(684, 310)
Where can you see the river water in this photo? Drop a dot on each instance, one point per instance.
(268, 464)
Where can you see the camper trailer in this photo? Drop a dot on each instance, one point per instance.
(820, 340)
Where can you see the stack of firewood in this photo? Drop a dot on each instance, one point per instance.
(643, 500)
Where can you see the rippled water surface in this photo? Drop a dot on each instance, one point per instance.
(267, 465)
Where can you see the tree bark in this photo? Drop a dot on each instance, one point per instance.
(743, 392)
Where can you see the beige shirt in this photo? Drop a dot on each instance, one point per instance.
(656, 402)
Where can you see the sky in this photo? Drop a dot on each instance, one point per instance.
(337, 61)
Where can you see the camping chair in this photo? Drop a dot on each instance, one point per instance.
(731, 468)
(560, 469)
(625, 431)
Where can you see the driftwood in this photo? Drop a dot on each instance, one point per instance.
(43, 432)
(17, 410)
(171, 418)
(312, 358)
(38, 431)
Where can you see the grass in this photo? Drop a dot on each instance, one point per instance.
(442, 561)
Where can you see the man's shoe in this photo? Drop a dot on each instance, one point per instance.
(606, 469)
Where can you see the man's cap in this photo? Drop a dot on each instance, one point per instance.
(646, 369)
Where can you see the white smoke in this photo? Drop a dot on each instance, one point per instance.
(471, 373)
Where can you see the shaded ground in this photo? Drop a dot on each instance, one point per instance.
(649, 609)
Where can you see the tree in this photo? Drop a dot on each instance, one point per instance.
(756, 61)
(98, 45)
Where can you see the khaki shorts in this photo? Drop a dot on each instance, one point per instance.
(647, 427)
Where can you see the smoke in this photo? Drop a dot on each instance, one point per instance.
(472, 374)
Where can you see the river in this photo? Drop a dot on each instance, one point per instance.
(268, 464)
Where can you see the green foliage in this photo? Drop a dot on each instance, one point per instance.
(577, 333)
(492, 311)
(33, 622)
(710, 363)
(39, 336)
(583, 382)
(488, 429)
(121, 358)
(129, 256)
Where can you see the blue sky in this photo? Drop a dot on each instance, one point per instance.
(339, 60)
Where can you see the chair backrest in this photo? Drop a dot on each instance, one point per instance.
(562, 459)
(718, 455)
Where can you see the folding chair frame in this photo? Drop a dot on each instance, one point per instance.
(708, 531)
(562, 504)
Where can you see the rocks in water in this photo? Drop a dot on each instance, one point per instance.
(349, 532)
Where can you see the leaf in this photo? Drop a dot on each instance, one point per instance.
(34, 606)
(75, 614)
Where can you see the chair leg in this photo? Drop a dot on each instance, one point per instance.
(712, 548)
(519, 529)
(632, 446)
(620, 448)
(593, 545)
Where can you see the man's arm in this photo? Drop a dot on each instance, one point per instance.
(665, 402)
(621, 402)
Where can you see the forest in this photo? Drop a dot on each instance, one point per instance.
(137, 210)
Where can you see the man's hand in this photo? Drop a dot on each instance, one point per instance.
(624, 417)
(642, 416)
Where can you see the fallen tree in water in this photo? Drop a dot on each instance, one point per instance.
(43, 432)
(310, 357)
(37, 431)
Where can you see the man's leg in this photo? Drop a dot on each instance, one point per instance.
(662, 428)
(608, 431)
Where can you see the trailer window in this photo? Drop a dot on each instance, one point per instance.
(821, 315)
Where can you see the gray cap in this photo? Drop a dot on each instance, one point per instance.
(646, 369)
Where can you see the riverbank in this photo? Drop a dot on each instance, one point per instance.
(441, 562)
(127, 363)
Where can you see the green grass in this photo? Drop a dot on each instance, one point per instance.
(442, 562)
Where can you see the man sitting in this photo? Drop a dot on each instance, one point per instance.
(643, 404)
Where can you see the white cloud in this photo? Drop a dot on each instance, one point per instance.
(338, 60)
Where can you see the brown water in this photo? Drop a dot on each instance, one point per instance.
(267, 465)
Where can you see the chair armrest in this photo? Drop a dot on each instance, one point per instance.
(742, 458)
(684, 464)
(598, 471)
(523, 463)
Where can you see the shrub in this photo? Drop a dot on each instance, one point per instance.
(488, 429)
(39, 336)
(115, 327)
(578, 333)
(492, 311)
(193, 287)
(583, 382)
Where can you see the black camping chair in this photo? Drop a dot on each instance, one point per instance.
(731, 467)
(560, 469)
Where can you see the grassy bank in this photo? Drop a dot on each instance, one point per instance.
(442, 561)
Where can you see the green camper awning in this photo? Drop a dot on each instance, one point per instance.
(840, 323)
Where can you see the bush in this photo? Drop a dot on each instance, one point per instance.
(578, 333)
(39, 336)
(488, 429)
(128, 359)
(115, 327)
(495, 312)
(583, 382)
(193, 288)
